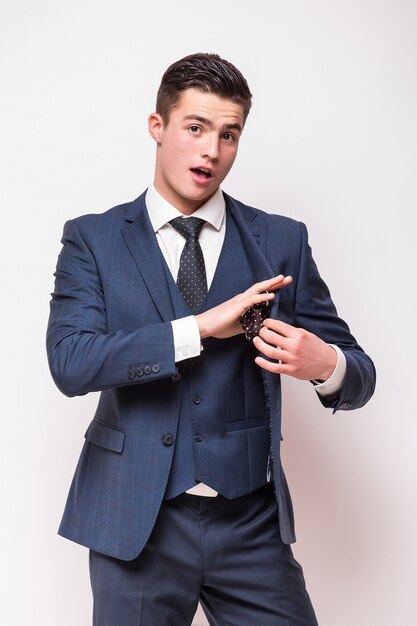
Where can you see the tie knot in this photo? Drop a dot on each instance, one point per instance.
(188, 227)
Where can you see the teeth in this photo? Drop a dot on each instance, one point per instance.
(203, 171)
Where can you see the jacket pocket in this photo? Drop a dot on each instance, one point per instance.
(252, 423)
(105, 436)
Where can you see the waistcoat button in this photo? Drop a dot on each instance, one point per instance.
(198, 438)
(168, 439)
(176, 377)
(196, 399)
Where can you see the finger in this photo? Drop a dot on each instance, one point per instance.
(272, 284)
(284, 329)
(274, 338)
(278, 282)
(275, 368)
(249, 300)
(272, 352)
(287, 281)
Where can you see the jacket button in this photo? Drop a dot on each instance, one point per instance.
(147, 369)
(155, 368)
(176, 377)
(196, 399)
(198, 438)
(131, 374)
(168, 439)
(139, 371)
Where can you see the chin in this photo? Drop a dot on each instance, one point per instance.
(198, 195)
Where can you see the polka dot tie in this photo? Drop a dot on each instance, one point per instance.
(191, 280)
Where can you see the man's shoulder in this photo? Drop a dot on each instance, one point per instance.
(110, 218)
(250, 214)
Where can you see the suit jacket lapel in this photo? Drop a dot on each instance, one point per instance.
(143, 246)
(141, 241)
(254, 238)
(253, 235)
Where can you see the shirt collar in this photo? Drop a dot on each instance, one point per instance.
(161, 211)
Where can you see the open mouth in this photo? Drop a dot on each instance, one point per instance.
(202, 172)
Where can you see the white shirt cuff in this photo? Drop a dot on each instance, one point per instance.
(187, 342)
(333, 384)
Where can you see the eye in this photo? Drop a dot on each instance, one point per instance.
(229, 137)
(194, 129)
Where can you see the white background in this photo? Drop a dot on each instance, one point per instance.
(332, 141)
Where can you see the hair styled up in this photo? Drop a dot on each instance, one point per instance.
(207, 73)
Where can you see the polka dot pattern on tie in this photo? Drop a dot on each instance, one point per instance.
(191, 280)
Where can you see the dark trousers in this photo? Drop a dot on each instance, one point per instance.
(227, 554)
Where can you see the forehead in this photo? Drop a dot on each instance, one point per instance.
(209, 106)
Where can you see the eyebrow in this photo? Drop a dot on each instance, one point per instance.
(206, 122)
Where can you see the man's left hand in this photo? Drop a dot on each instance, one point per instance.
(295, 351)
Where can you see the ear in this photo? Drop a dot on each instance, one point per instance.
(155, 126)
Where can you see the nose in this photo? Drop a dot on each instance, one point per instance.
(210, 148)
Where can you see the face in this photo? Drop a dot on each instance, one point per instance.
(196, 149)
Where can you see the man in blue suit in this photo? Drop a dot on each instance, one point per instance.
(179, 492)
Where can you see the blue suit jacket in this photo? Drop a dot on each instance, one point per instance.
(110, 331)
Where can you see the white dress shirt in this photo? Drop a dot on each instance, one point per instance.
(187, 342)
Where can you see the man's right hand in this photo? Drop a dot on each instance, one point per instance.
(222, 321)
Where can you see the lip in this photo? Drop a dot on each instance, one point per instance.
(202, 179)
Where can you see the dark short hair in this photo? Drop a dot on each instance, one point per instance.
(205, 72)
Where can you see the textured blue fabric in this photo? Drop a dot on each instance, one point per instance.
(110, 331)
(222, 414)
(228, 553)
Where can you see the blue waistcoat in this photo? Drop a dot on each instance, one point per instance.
(223, 436)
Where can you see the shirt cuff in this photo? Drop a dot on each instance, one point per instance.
(187, 341)
(333, 384)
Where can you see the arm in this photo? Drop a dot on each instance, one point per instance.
(302, 348)
(223, 321)
(83, 356)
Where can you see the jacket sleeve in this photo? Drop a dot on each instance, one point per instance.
(83, 356)
(315, 311)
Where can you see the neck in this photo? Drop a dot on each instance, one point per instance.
(183, 205)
